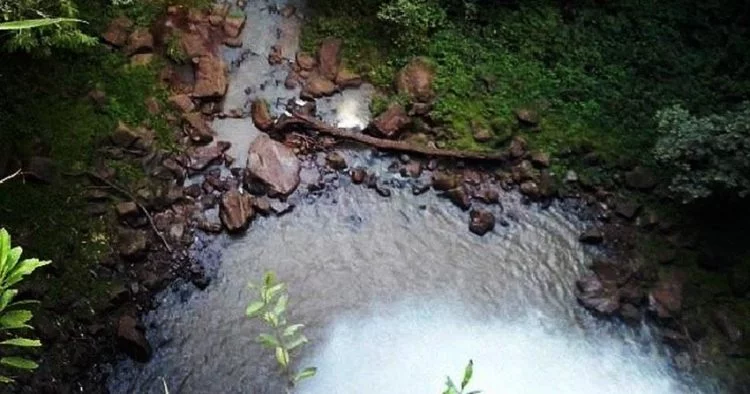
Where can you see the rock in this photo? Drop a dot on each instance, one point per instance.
(98, 98)
(592, 236)
(41, 169)
(261, 114)
(196, 127)
(317, 86)
(527, 117)
(274, 164)
(233, 42)
(488, 195)
(530, 189)
(459, 197)
(540, 159)
(281, 207)
(571, 176)
(288, 10)
(140, 41)
(305, 61)
(141, 59)
(640, 178)
(123, 136)
(199, 158)
(194, 45)
(292, 80)
(628, 209)
(517, 147)
(442, 181)
(547, 185)
(594, 295)
(481, 221)
(132, 340)
(347, 79)
(132, 245)
(152, 105)
(208, 226)
(210, 78)
(665, 299)
(358, 175)
(181, 102)
(727, 327)
(236, 210)
(524, 171)
(275, 56)
(391, 122)
(127, 210)
(336, 161)
(482, 134)
(412, 169)
(233, 24)
(416, 79)
(328, 58)
(382, 190)
(193, 191)
(630, 314)
(118, 31)
(262, 205)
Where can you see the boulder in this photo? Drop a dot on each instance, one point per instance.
(199, 158)
(132, 245)
(233, 42)
(517, 147)
(275, 56)
(416, 79)
(412, 169)
(592, 236)
(131, 339)
(236, 210)
(391, 122)
(329, 58)
(460, 197)
(274, 164)
(181, 102)
(530, 189)
(481, 221)
(210, 78)
(482, 134)
(527, 116)
(127, 210)
(336, 161)
(233, 24)
(140, 41)
(540, 159)
(118, 31)
(317, 86)
(442, 181)
(627, 209)
(41, 169)
(640, 178)
(196, 127)
(665, 299)
(305, 61)
(194, 44)
(123, 136)
(288, 10)
(358, 175)
(347, 79)
(261, 115)
(488, 195)
(597, 296)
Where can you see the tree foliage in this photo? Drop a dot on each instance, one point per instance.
(708, 154)
(13, 318)
(44, 36)
(412, 21)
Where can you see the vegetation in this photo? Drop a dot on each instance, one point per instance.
(12, 318)
(451, 388)
(707, 154)
(53, 22)
(283, 337)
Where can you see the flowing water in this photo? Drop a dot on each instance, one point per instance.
(395, 292)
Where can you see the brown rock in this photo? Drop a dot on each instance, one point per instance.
(196, 127)
(358, 175)
(236, 211)
(141, 59)
(540, 159)
(127, 210)
(274, 164)
(316, 87)
(288, 11)
(152, 106)
(261, 115)
(140, 41)
(233, 24)
(118, 31)
(530, 189)
(210, 78)
(328, 58)
(592, 236)
(598, 296)
(336, 161)
(199, 158)
(482, 134)
(305, 61)
(391, 122)
(459, 197)
(194, 44)
(132, 245)
(518, 147)
(233, 42)
(123, 136)
(442, 181)
(488, 195)
(412, 169)
(181, 102)
(348, 79)
(527, 116)
(132, 340)
(416, 79)
(481, 221)
(275, 56)
(292, 80)
(665, 299)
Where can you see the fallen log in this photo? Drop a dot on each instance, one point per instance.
(380, 143)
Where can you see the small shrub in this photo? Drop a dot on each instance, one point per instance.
(451, 388)
(412, 21)
(708, 154)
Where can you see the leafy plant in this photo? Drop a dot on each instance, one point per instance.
(412, 21)
(12, 271)
(33, 23)
(451, 388)
(283, 338)
(34, 29)
(707, 154)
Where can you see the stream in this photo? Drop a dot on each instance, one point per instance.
(395, 293)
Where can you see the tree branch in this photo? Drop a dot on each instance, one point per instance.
(11, 176)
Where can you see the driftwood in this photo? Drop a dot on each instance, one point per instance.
(130, 195)
(402, 146)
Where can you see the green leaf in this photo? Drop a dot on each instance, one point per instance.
(18, 362)
(5, 379)
(268, 341)
(301, 340)
(13, 256)
(6, 298)
(450, 387)
(305, 374)
(33, 23)
(467, 374)
(269, 279)
(282, 357)
(291, 330)
(254, 309)
(475, 392)
(270, 293)
(22, 269)
(22, 342)
(4, 250)
(15, 319)
(23, 302)
(280, 307)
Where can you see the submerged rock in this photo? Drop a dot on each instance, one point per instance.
(481, 221)
(236, 210)
(274, 164)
